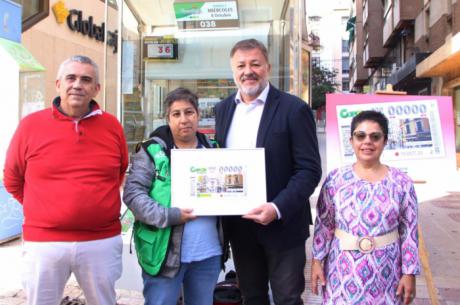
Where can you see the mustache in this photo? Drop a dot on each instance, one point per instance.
(250, 76)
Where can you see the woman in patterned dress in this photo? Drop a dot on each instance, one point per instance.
(365, 245)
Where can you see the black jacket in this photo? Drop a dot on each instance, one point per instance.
(287, 131)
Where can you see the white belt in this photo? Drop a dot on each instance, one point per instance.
(365, 244)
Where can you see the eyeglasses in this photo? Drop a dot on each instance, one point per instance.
(361, 136)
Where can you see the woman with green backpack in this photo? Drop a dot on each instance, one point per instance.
(174, 247)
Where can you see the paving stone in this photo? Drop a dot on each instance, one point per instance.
(450, 294)
(12, 301)
(5, 293)
(422, 301)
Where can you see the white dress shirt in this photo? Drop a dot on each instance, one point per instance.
(245, 124)
(246, 119)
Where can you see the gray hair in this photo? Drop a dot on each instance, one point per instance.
(250, 44)
(81, 59)
(180, 94)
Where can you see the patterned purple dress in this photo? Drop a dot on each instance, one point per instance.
(363, 208)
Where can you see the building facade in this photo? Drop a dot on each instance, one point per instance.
(168, 44)
(145, 49)
(413, 45)
(56, 30)
(330, 50)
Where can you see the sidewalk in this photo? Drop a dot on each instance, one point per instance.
(440, 233)
(439, 283)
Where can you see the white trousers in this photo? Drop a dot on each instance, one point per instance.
(47, 266)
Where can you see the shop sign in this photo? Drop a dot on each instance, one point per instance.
(206, 14)
(10, 16)
(160, 48)
(76, 23)
(87, 27)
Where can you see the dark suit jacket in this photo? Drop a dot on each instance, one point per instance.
(287, 131)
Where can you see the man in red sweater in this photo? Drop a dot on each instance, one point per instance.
(65, 165)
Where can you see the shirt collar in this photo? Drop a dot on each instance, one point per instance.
(93, 109)
(262, 98)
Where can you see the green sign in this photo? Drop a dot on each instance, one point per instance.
(206, 14)
(21, 55)
(186, 11)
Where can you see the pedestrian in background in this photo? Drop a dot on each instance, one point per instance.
(268, 243)
(174, 247)
(65, 165)
(365, 245)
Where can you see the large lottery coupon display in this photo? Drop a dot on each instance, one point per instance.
(421, 138)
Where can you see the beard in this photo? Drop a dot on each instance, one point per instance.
(252, 91)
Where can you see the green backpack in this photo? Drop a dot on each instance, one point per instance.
(151, 243)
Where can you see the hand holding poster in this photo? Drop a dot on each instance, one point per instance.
(218, 181)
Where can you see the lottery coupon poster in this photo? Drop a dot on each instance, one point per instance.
(414, 129)
(218, 181)
(421, 138)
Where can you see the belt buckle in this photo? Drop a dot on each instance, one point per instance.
(366, 244)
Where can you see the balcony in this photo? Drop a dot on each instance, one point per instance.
(373, 32)
(408, 68)
(404, 78)
(400, 16)
(358, 75)
(373, 55)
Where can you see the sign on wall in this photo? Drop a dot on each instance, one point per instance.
(206, 14)
(10, 20)
(77, 22)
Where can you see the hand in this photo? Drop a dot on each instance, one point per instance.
(263, 214)
(317, 274)
(406, 288)
(186, 215)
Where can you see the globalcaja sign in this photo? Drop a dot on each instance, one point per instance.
(77, 23)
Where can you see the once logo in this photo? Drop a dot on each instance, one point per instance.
(344, 113)
(198, 170)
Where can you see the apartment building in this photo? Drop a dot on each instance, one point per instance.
(389, 49)
(412, 44)
(358, 74)
(329, 49)
(437, 29)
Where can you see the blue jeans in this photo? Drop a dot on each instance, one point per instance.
(198, 279)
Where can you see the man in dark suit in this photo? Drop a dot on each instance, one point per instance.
(268, 243)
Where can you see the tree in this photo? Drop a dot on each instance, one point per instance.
(323, 81)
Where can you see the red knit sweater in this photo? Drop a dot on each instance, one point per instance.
(67, 174)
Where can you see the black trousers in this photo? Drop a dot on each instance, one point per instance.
(257, 266)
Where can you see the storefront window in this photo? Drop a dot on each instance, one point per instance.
(33, 11)
(182, 43)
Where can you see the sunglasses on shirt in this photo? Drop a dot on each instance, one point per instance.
(361, 136)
